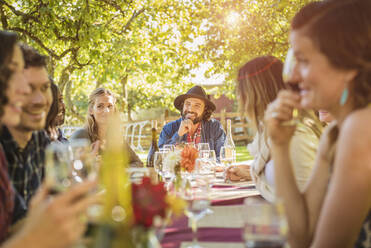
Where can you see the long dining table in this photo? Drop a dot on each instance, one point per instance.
(221, 228)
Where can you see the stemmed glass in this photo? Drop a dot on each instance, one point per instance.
(287, 75)
(227, 156)
(206, 161)
(67, 164)
(166, 172)
(82, 160)
(57, 167)
(265, 223)
(198, 204)
(169, 147)
(158, 162)
(203, 147)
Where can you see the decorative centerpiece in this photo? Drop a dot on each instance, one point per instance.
(182, 159)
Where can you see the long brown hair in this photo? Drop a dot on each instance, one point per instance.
(259, 81)
(91, 123)
(341, 30)
(8, 41)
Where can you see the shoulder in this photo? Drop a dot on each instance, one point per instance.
(354, 143)
(172, 124)
(81, 133)
(356, 128)
(214, 123)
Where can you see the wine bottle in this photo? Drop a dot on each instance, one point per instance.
(230, 149)
(154, 146)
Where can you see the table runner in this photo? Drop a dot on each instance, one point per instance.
(212, 230)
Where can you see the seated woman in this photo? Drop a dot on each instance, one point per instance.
(51, 221)
(55, 116)
(101, 105)
(331, 41)
(259, 81)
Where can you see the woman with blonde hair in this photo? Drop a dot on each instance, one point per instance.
(331, 41)
(102, 104)
(259, 82)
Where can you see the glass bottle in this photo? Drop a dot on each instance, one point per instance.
(229, 147)
(154, 147)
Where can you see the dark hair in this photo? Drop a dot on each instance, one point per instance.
(33, 58)
(206, 114)
(341, 30)
(259, 81)
(8, 41)
(53, 112)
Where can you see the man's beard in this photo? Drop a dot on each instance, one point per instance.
(196, 120)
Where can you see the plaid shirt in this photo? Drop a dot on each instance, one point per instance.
(25, 166)
(196, 136)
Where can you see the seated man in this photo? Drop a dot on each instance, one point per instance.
(195, 124)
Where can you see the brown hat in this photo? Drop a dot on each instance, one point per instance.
(194, 92)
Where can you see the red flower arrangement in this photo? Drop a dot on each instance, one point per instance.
(188, 155)
(149, 200)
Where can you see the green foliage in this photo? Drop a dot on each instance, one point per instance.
(145, 50)
(240, 30)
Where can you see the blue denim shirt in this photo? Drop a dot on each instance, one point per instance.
(212, 132)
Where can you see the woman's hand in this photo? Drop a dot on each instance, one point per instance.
(57, 221)
(278, 113)
(238, 173)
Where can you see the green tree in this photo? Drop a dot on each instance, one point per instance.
(145, 50)
(240, 30)
(136, 48)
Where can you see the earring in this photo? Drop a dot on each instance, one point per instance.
(344, 97)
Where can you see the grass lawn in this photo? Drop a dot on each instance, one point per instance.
(242, 154)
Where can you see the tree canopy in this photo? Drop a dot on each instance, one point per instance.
(146, 50)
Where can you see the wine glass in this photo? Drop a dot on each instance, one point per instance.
(227, 155)
(198, 203)
(203, 147)
(157, 162)
(265, 223)
(207, 159)
(167, 172)
(58, 167)
(287, 75)
(82, 160)
(169, 147)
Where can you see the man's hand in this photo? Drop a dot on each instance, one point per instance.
(56, 222)
(185, 127)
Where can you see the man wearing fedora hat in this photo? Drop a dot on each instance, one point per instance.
(195, 124)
